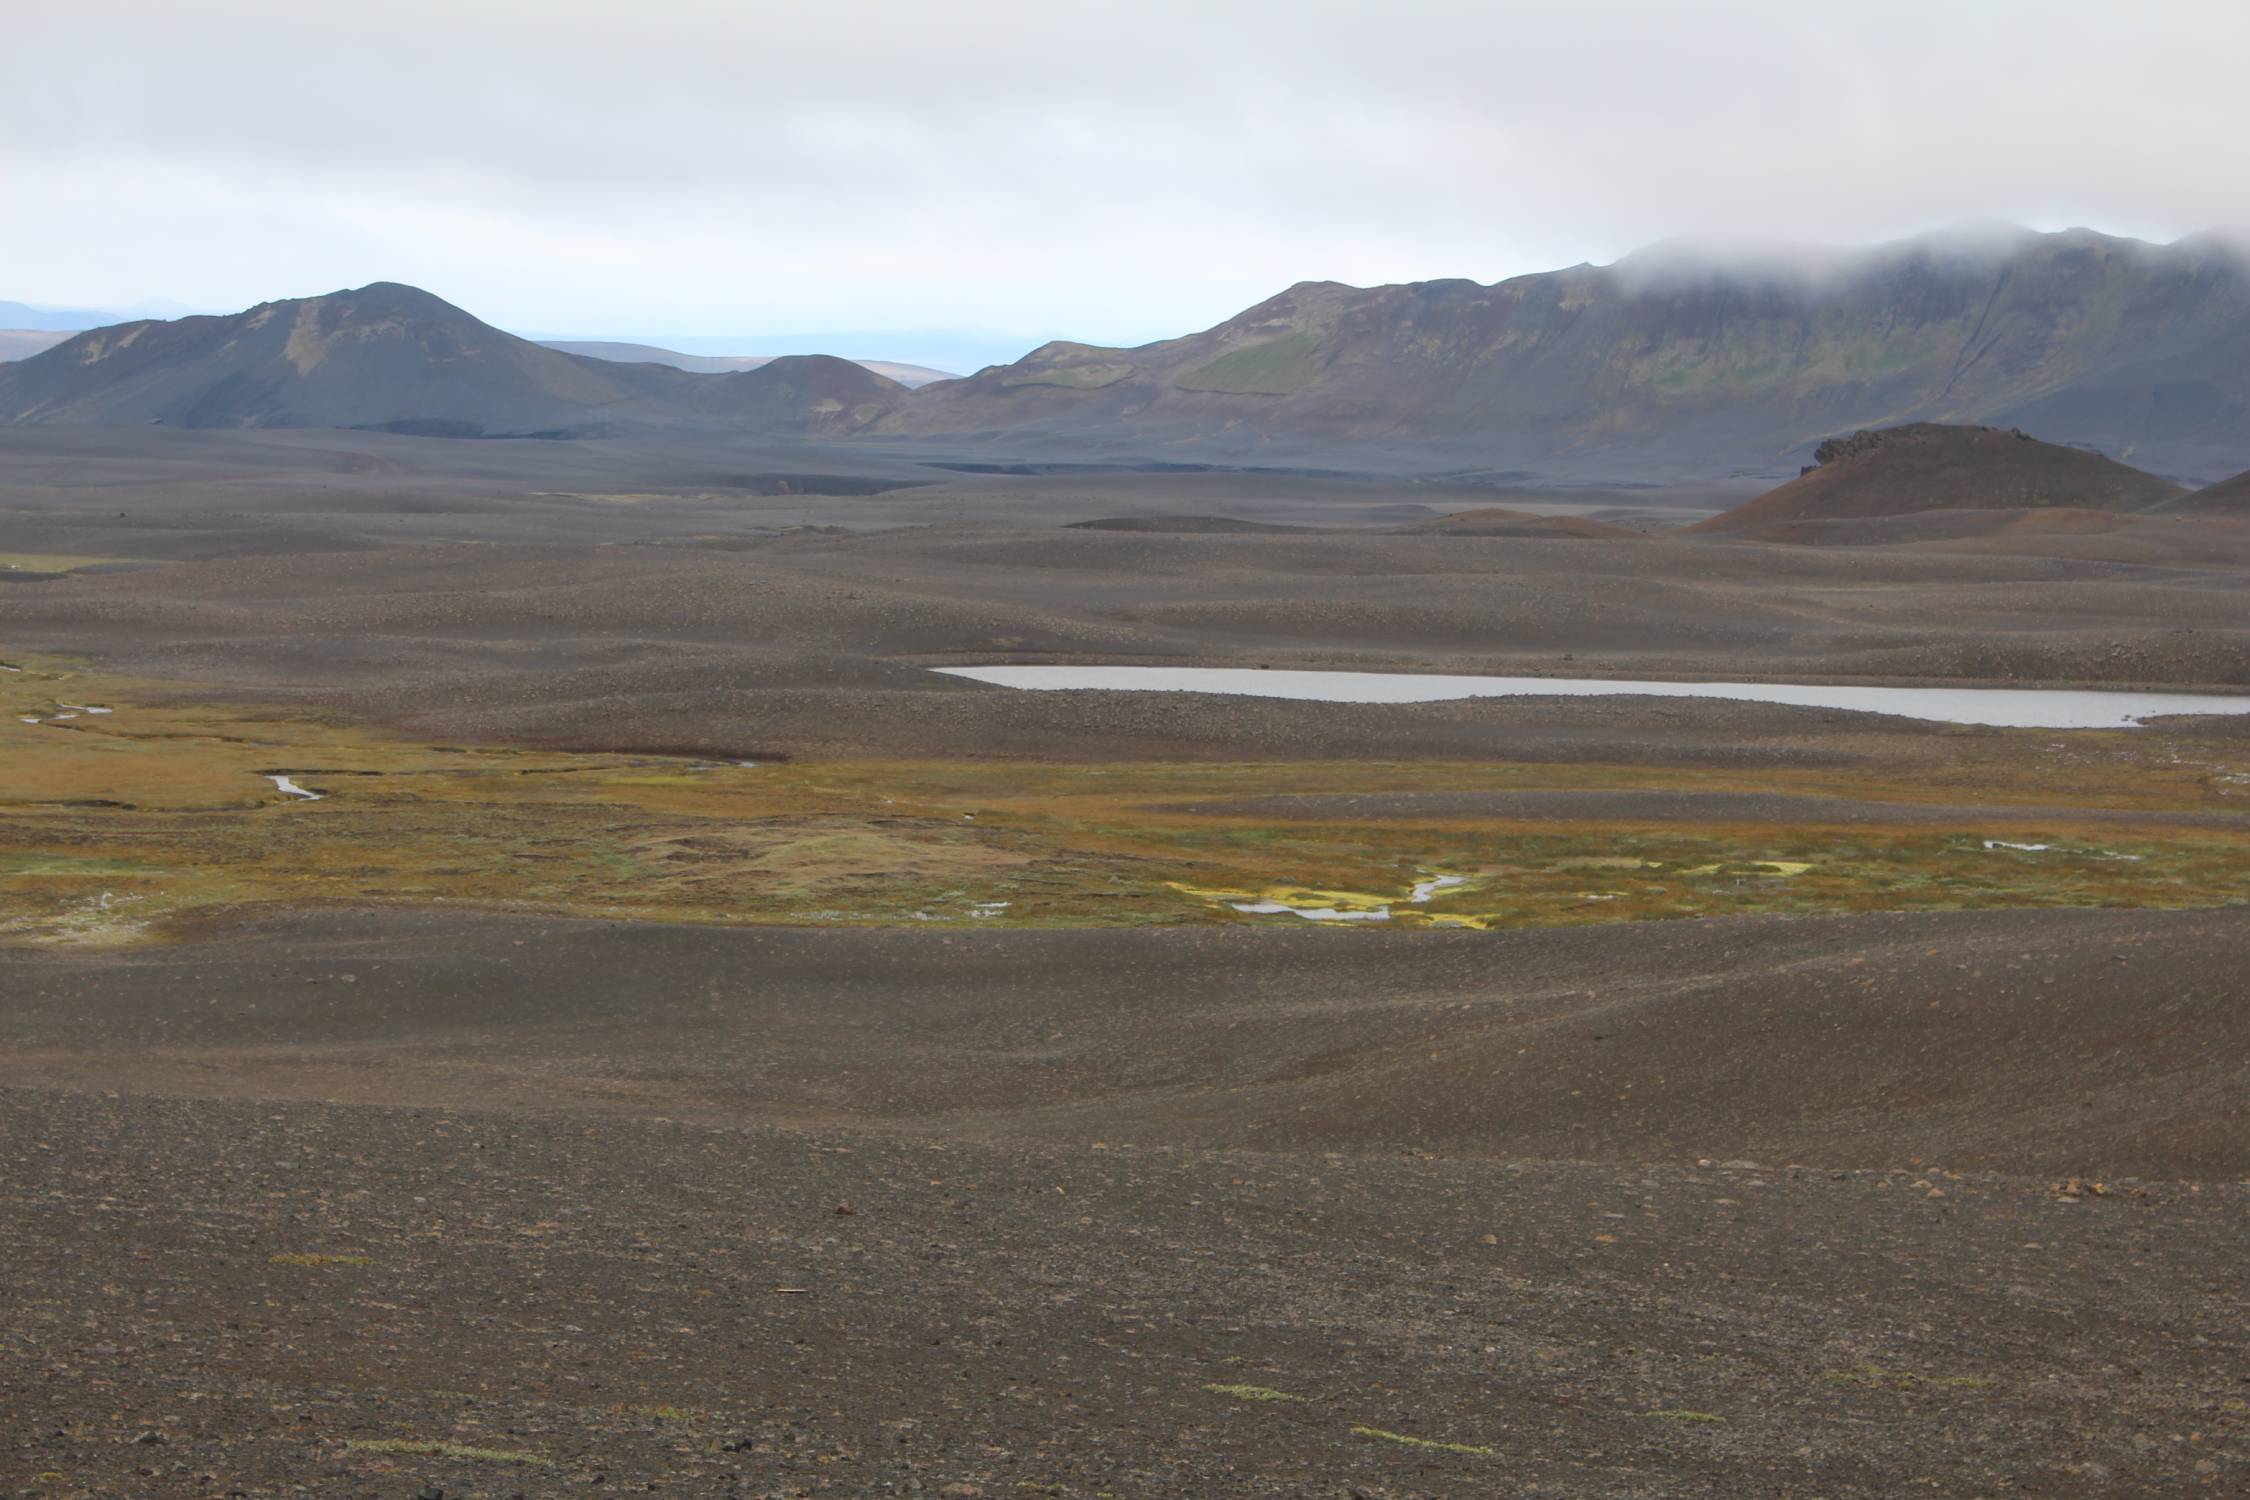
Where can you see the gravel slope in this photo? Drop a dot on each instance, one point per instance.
(789, 1214)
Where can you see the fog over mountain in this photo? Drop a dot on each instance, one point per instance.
(1645, 242)
(1676, 364)
(1683, 361)
(1111, 174)
(1538, 782)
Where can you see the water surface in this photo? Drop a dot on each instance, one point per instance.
(2000, 708)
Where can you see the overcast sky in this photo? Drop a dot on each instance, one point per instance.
(1112, 172)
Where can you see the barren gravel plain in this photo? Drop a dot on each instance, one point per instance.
(557, 1106)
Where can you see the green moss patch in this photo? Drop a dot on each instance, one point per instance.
(1070, 377)
(444, 1448)
(1908, 1380)
(1417, 1442)
(1279, 367)
(1252, 1393)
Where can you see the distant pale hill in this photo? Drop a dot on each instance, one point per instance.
(1925, 466)
(1675, 363)
(23, 316)
(22, 343)
(910, 376)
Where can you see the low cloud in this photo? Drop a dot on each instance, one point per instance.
(1105, 171)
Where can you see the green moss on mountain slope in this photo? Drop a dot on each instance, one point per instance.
(1279, 367)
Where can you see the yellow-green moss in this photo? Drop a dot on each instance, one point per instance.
(445, 1448)
(1417, 1442)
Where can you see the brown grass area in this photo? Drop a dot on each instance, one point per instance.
(117, 824)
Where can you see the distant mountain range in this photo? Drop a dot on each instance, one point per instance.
(26, 330)
(394, 358)
(1678, 363)
(22, 343)
(1675, 364)
(21, 316)
(910, 376)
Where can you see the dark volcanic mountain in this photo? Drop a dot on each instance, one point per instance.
(2227, 497)
(1670, 366)
(383, 356)
(1673, 364)
(1926, 466)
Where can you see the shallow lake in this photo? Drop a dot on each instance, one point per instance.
(2001, 708)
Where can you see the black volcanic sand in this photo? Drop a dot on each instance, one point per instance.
(817, 644)
(781, 1213)
(1848, 1040)
(1691, 1209)
(165, 494)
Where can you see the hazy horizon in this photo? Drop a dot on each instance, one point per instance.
(963, 351)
